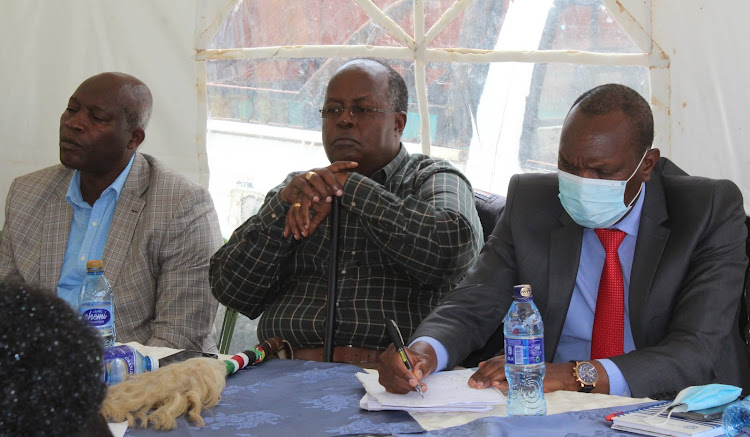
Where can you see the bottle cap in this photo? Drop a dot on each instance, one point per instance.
(154, 362)
(94, 264)
(522, 292)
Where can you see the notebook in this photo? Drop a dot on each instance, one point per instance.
(448, 391)
(644, 421)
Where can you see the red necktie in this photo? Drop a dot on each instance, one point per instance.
(609, 322)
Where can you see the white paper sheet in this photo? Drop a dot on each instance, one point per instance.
(447, 391)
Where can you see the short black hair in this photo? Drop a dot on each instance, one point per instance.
(398, 93)
(50, 365)
(606, 99)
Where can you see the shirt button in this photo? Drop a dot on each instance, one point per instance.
(353, 204)
(83, 258)
(354, 252)
(273, 215)
(343, 272)
(93, 223)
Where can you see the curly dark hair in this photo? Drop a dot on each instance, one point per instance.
(50, 366)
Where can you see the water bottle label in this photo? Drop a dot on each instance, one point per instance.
(520, 351)
(120, 355)
(98, 316)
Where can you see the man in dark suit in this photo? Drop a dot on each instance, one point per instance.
(681, 260)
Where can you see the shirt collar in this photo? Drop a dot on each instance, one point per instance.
(631, 222)
(74, 196)
(381, 176)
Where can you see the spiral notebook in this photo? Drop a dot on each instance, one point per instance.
(645, 421)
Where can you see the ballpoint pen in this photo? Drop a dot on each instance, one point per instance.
(398, 342)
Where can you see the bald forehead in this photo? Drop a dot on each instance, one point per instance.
(375, 71)
(110, 87)
(125, 91)
(366, 65)
(357, 79)
(111, 81)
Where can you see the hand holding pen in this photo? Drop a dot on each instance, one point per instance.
(398, 342)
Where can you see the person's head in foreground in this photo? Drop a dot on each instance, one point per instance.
(50, 367)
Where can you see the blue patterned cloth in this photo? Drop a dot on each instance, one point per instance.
(290, 398)
(306, 398)
(573, 424)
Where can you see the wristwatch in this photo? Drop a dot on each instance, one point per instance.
(585, 374)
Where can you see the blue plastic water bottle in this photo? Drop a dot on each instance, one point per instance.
(96, 302)
(736, 419)
(524, 355)
(121, 361)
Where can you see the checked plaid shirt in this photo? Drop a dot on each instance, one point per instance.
(407, 236)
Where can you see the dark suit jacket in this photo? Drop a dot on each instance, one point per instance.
(685, 287)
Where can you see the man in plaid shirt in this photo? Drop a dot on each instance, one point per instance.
(408, 232)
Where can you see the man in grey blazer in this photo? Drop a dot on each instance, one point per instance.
(154, 230)
(683, 262)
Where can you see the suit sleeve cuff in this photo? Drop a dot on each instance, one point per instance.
(440, 351)
(617, 384)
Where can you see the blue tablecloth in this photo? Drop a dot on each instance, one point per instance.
(306, 398)
(572, 424)
(293, 398)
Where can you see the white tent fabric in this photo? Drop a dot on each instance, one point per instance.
(49, 47)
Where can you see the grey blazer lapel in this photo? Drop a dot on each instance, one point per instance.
(564, 255)
(653, 234)
(127, 212)
(55, 231)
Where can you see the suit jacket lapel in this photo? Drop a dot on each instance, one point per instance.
(55, 231)
(565, 252)
(128, 210)
(653, 234)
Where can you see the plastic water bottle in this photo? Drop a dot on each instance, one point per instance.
(736, 419)
(96, 303)
(121, 361)
(524, 355)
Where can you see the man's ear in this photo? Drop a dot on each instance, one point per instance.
(649, 162)
(400, 122)
(137, 138)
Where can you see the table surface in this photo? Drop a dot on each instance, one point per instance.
(294, 397)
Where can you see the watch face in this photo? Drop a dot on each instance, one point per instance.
(586, 372)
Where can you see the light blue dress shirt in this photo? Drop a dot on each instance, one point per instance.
(575, 339)
(88, 233)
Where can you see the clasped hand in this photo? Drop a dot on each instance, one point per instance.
(313, 191)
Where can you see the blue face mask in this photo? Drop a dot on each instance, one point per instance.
(595, 203)
(700, 397)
